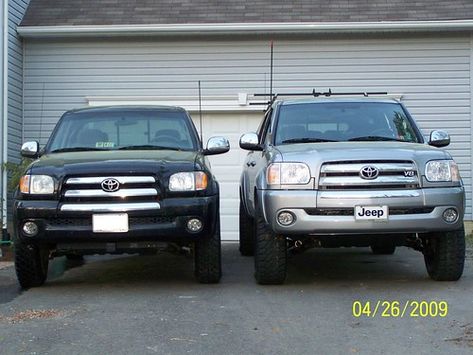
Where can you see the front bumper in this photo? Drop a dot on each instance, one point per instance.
(168, 223)
(300, 202)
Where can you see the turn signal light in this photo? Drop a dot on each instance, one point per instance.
(25, 184)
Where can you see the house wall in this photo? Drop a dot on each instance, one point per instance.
(431, 72)
(12, 113)
(3, 68)
(16, 10)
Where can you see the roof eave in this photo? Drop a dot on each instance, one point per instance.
(243, 28)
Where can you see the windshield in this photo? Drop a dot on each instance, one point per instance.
(345, 121)
(114, 130)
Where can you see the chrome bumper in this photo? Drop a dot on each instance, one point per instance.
(298, 201)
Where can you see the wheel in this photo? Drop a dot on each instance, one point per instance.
(247, 233)
(31, 264)
(383, 249)
(444, 255)
(270, 254)
(208, 260)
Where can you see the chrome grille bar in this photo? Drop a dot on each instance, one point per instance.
(355, 180)
(356, 167)
(119, 193)
(121, 180)
(110, 207)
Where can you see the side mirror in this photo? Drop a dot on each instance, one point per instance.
(439, 139)
(30, 149)
(250, 141)
(217, 145)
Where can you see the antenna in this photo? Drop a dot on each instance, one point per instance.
(200, 116)
(271, 74)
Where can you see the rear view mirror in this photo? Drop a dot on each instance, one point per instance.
(217, 145)
(250, 141)
(30, 149)
(439, 139)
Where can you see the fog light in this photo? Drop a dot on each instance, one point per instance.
(450, 215)
(194, 225)
(30, 229)
(285, 218)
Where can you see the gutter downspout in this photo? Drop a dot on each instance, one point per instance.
(4, 128)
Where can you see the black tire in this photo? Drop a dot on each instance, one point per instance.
(270, 254)
(247, 233)
(383, 249)
(208, 259)
(444, 255)
(31, 265)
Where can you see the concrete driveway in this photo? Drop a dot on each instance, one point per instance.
(147, 305)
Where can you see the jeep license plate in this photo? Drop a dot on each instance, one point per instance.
(373, 213)
(110, 223)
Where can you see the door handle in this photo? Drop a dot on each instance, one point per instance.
(251, 163)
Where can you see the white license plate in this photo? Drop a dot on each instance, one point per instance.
(372, 213)
(110, 223)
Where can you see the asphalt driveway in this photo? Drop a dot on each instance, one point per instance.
(147, 305)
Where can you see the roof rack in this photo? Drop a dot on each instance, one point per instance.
(314, 94)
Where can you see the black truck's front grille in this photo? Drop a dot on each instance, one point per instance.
(140, 192)
(87, 222)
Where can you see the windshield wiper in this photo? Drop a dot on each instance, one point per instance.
(147, 147)
(376, 138)
(76, 149)
(308, 140)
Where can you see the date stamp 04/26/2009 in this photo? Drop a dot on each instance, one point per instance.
(400, 309)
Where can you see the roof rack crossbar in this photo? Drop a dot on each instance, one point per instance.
(314, 93)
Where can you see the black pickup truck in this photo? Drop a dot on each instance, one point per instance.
(118, 180)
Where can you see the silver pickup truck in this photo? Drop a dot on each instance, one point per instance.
(332, 172)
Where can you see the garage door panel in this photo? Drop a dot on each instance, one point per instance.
(227, 167)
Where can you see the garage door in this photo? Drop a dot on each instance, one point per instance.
(227, 167)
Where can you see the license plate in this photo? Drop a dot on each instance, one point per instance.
(371, 213)
(110, 223)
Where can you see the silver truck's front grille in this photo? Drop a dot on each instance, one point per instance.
(118, 193)
(361, 175)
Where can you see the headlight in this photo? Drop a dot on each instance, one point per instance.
(37, 184)
(288, 174)
(191, 181)
(442, 171)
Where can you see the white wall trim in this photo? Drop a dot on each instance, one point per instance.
(236, 103)
(245, 28)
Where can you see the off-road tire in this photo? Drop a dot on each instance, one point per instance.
(31, 264)
(444, 255)
(247, 233)
(383, 249)
(207, 258)
(270, 254)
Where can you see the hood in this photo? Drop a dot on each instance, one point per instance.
(127, 162)
(315, 154)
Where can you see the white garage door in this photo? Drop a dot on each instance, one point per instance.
(227, 167)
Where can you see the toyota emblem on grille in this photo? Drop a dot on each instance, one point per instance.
(110, 185)
(369, 172)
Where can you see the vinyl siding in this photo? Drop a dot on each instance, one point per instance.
(16, 10)
(431, 72)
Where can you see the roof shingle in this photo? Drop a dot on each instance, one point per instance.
(147, 12)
